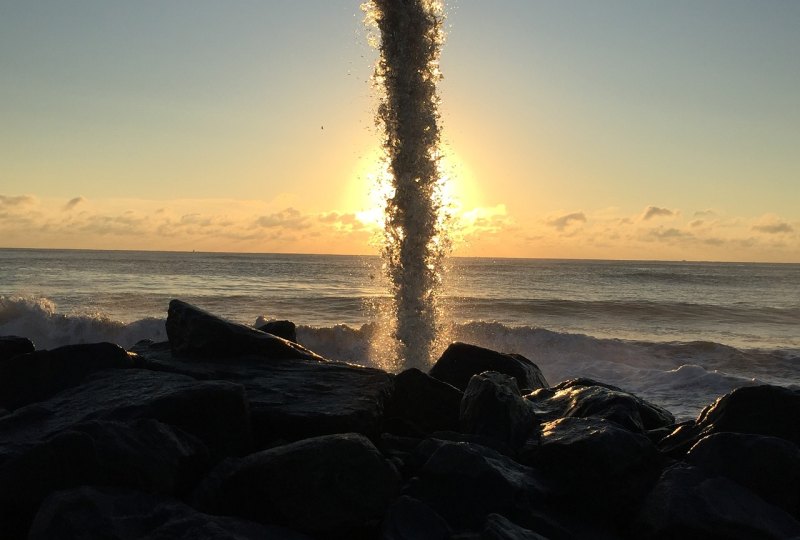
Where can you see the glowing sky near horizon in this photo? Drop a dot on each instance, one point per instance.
(580, 129)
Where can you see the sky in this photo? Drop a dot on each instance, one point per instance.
(621, 129)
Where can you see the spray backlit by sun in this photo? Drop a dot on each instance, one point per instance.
(410, 36)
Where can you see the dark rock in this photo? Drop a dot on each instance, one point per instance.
(11, 346)
(144, 454)
(594, 465)
(283, 329)
(194, 332)
(584, 398)
(410, 519)
(115, 514)
(461, 361)
(685, 503)
(465, 482)
(760, 410)
(292, 399)
(421, 404)
(38, 375)
(493, 408)
(328, 484)
(768, 466)
(498, 527)
(215, 412)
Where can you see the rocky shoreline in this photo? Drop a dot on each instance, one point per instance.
(229, 432)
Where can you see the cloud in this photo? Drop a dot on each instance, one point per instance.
(708, 212)
(72, 203)
(16, 201)
(669, 234)
(775, 227)
(289, 218)
(562, 222)
(654, 211)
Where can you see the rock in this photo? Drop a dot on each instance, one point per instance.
(420, 405)
(594, 466)
(465, 482)
(685, 503)
(461, 361)
(768, 466)
(215, 412)
(330, 484)
(498, 527)
(292, 399)
(760, 410)
(410, 519)
(36, 376)
(585, 398)
(11, 346)
(283, 329)
(143, 454)
(493, 408)
(194, 332)
(116, 514)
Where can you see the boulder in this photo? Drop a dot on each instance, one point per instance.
(493, 408)
(585, 398)
(760, 410)
(11, 346)
(36, 376)
(461, 361)
(768, 466)
(117, 514)
(334, 484)
(594, 466)
(144, 454)
(498, 527)
(466, 482)
(282, 329)
(410, 519)
(291, 399)
(685, 503)
(194, 332)
(420, 405)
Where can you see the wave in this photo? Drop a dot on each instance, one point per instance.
(681, 376)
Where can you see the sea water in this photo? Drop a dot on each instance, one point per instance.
(678, 333)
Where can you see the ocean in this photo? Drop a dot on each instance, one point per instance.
(680, 334)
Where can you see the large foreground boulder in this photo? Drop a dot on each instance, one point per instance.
(420, 404)
(461, 361)
(115, 514)
(761, 410)
(330, 484)
(587, 398)
(685, 503)
(192, 331)
(291, 399)
(11, 346)
(36, 376)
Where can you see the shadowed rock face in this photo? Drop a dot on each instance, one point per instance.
(327, 484)
(420, 405)
(461, 361)
(282, 329)
(11, 346)
(194, 332)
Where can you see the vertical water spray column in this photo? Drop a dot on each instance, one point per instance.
(406, 74)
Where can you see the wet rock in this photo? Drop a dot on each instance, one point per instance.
(498, 527)
(493, 408)
(292, 399)
(143, 454)
(283, 329)
(594, 465)
(768, 466)
(465, 482)
(420, 405)
(38, 375)
(760, 410)
(328, 484)
(11, 346)
(461, 361)
(116, 514)
(192, 331)
(586, 398)
(685, 503)
(410, 519)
